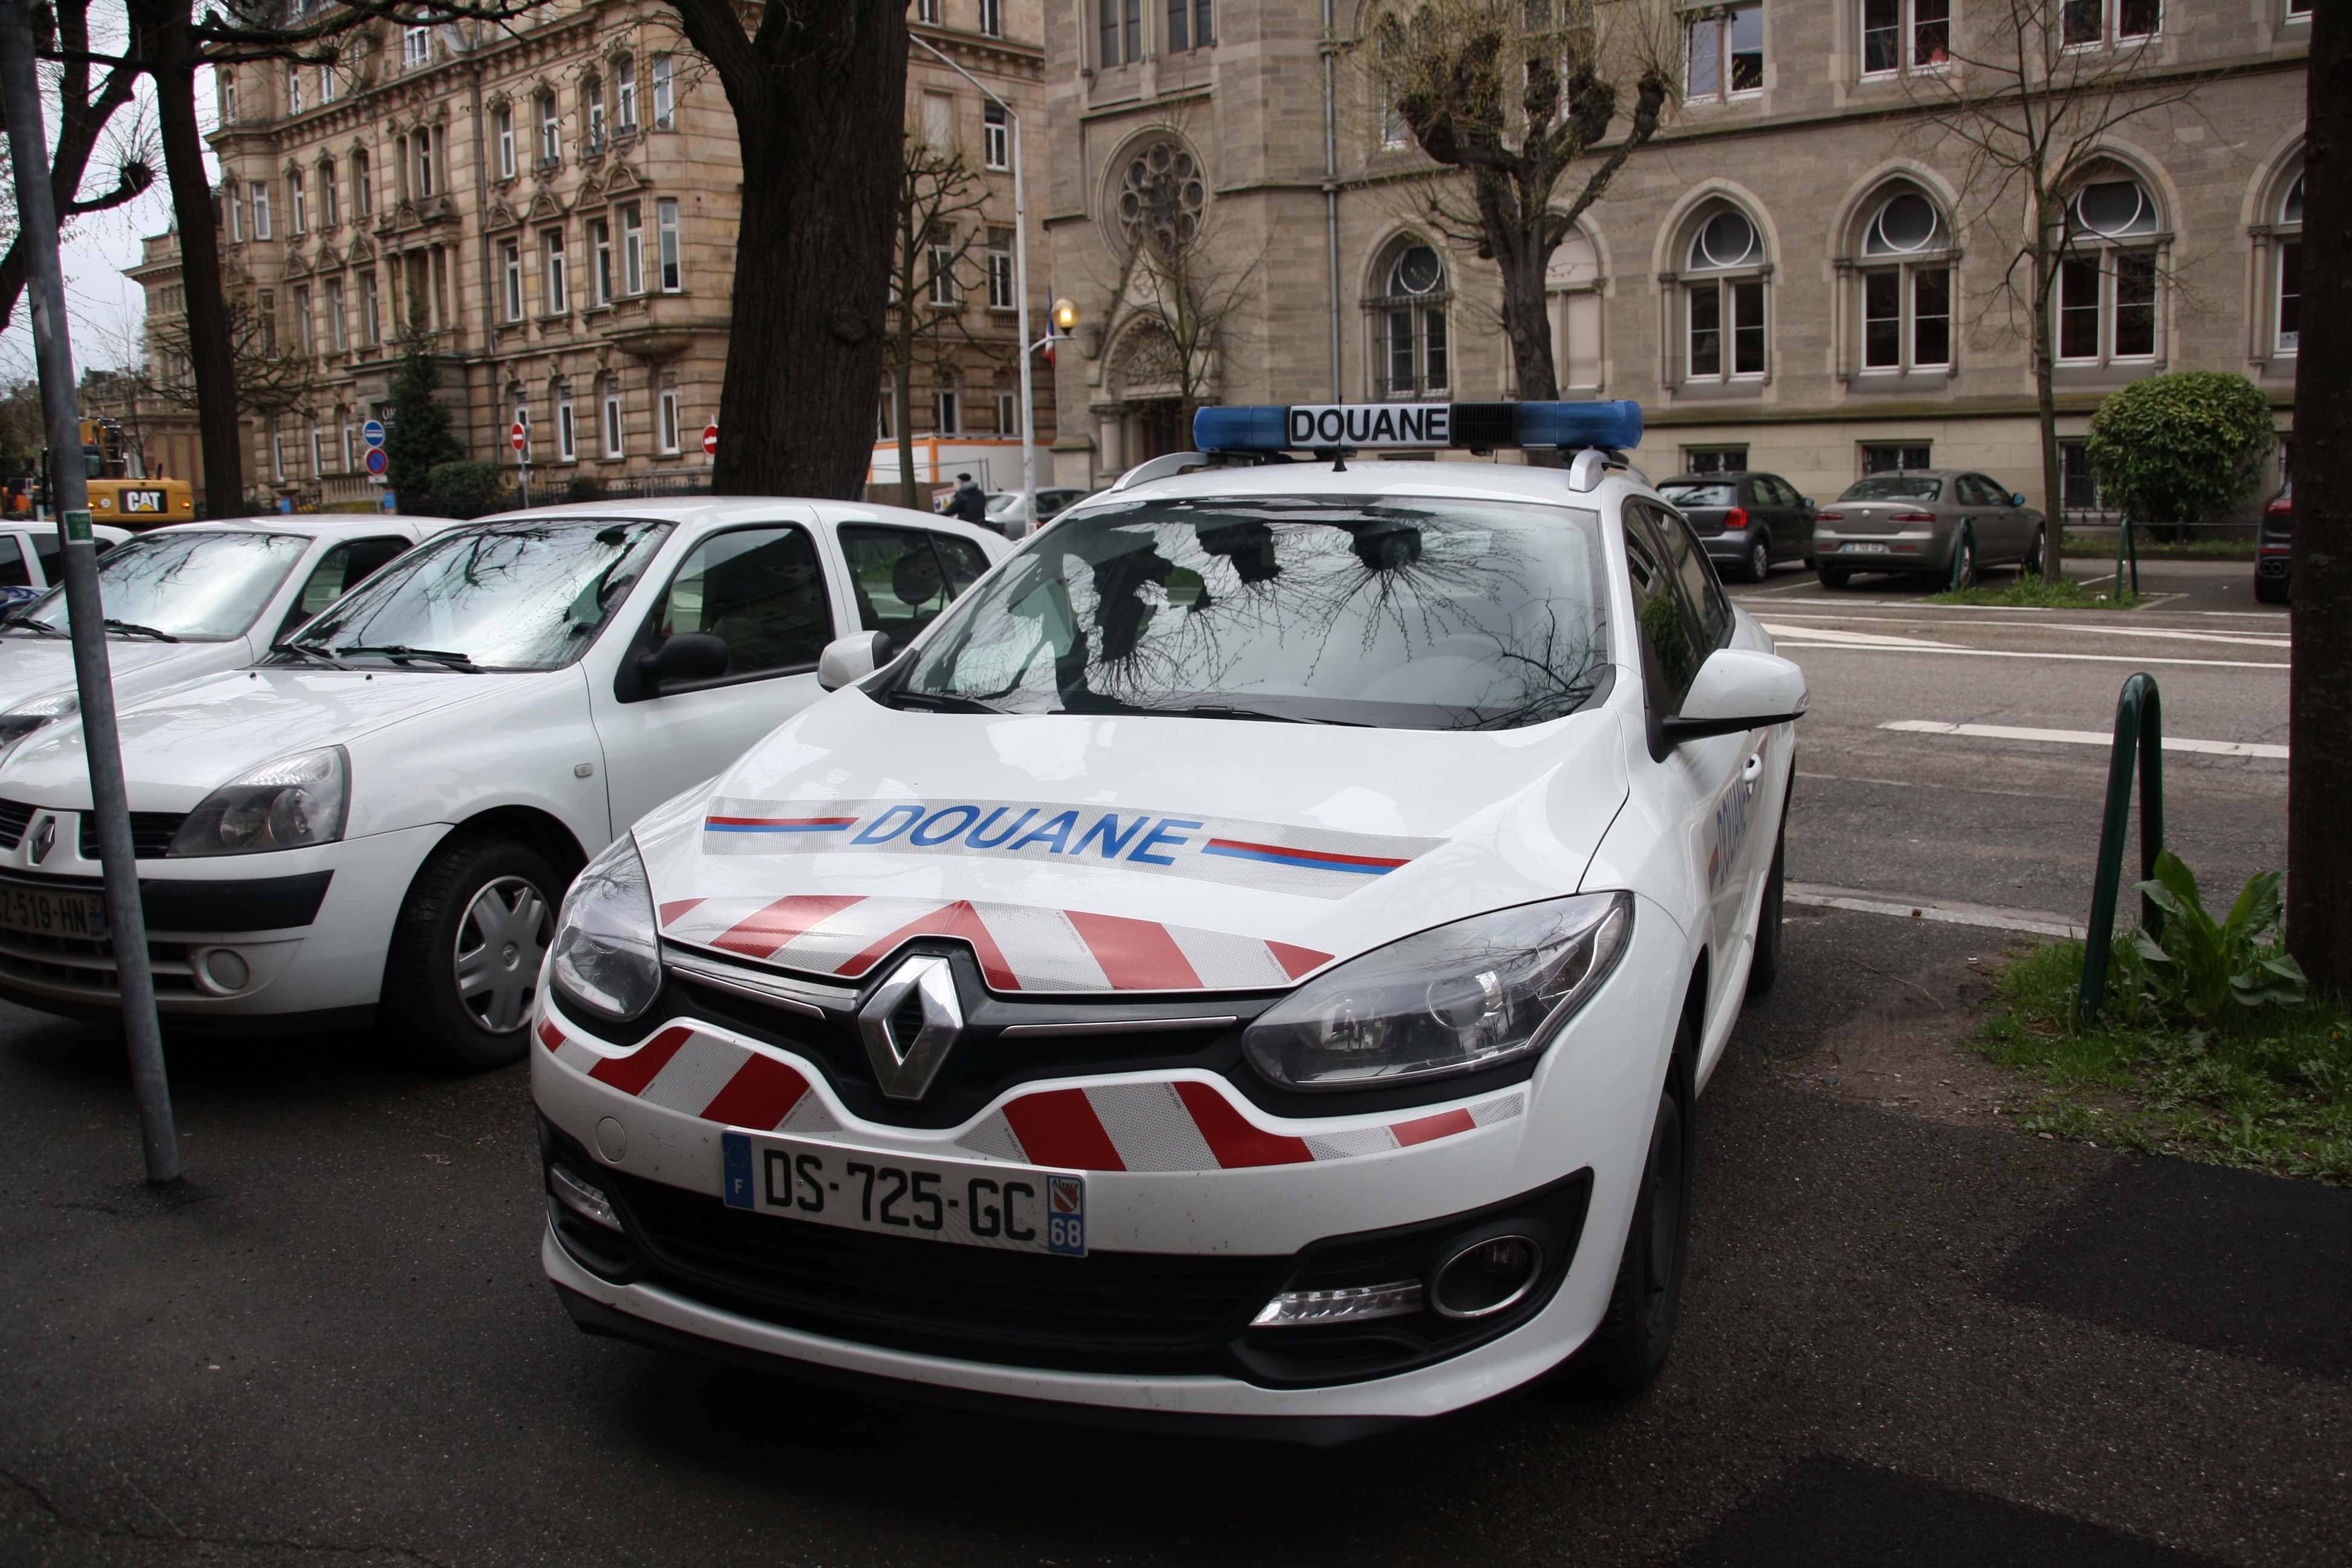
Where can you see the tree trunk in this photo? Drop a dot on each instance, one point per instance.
(2045, 408)
(169, 52)
(1526, 321)
(2319, 731)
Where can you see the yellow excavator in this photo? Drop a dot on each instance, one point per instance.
(117, 495)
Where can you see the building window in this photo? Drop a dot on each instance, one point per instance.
(265, 306)
(2300, 10)
(318, 451)
(350, 441)
(672, 256)
(1191, 25)
(293, 90)
(261, 209)
(927, 12)
(338, 331)
(1715, 460)
(2086, 24)
(1885, 456)
(306, 332)
(940, 245)
(558, 285)
(277, 451)
(550, 133)
(510, 269)
(1122, 31)
(1413, 347)
(1906, 287)
(2290, 269)
(1905, 35)
(669, 421)
(2108, 274)
(592, 103)
(665, 93)
(947, 406)
(633, 248)
(995, 137)
(326, 84)
(2078, 487)
(416, 48)
(331, 200)
(297, 200)
(1000, 269)
(624, 95)
(612, 417)
(362, 194)
(939, 120)
(567, 432)
(1008, 412)
(1725, 51)
(502, 122)
(600, 255)
(992, 17)
(227, 77)
(1725, 333)
(423, 142)
(370, 312)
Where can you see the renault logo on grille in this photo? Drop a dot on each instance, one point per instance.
(44, 838)
(910, 1025)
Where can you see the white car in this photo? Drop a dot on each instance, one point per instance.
(1254, 960)
(1008, 507)
(378, 820)
(190, 600)
(28, 558)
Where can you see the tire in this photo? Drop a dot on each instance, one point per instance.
(2271, 590)
(485, 898)
(1758, 564)
(1765, 968)
(2037, 555)
(1833, 577)
(1629, 1348)
(1964, 562)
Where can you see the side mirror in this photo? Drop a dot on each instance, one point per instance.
(1809, 503)
(684, 659)
(852, 658)
(2019, 499)
(1736, 691)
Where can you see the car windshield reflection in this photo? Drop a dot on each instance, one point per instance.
(188, 587)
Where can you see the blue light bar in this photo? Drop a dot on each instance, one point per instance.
(1476, 426)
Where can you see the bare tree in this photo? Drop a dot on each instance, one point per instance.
(940, 225)
(1179, 284)
(2030, 93)
(1518, 97)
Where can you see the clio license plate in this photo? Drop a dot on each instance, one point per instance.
(53, 912)
(1014, 1208)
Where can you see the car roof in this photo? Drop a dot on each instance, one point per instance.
(1359, 476)
(1917, 474)
(726, 509)
(310, 525)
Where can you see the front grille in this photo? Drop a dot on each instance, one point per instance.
(151, 833)
(15, 815)
(1134, 1312)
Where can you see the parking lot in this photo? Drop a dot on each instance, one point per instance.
(1902, 1337)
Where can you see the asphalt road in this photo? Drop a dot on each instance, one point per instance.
(1903, 1339)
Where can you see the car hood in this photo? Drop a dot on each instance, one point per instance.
(35, 667)
(180, 745)
(1121, 853)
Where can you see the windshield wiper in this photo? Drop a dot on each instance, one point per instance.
(402, 653)
(1232, 710)
(134, 629)
(325, 655)
(936, 702)
(26, 623)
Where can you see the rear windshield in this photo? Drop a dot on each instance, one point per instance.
(1396, 613)
(1710, 494)
(1894, 487)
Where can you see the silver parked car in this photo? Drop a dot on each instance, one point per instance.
(1934, 522)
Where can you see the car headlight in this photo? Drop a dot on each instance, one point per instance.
(607, 955)
(1469, 994)
(26, 717)
(289, 803)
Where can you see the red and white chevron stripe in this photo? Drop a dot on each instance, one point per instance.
(1155, 1125)
(1021, 947)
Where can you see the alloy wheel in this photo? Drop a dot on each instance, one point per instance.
(500, 945)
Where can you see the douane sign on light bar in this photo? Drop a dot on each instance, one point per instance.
(1359, 424)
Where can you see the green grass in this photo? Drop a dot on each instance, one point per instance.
(2025, 591)
(2080, 547)
(2272, 1094)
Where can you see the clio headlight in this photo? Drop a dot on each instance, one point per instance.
(290, 803)
(607, 955)
(36, 713)
(1470, 994)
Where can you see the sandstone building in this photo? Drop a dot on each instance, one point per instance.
(556, 204)
(1791, 277)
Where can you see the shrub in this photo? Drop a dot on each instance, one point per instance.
(2183, 448)
(585, 488)
(464, 482)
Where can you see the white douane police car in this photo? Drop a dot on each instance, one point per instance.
(378, 818)
(1253, 959)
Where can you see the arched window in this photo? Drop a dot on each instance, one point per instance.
(1905, 295)
(591, 104)
(1723, 297)
(2287, 303)
(1411, 352)
(2108, 273)
(331, 200)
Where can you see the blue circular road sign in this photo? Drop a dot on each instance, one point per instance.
(372, 433)
(376, 461)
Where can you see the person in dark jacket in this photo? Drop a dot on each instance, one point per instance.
(967, 503)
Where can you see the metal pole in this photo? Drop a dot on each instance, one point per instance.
(1021, 292)
(126, 923)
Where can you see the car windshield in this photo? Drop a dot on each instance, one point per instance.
(1894, 487)
(1003, 501)
(197, 587)
(1400, 613)
(514, 595)
(1710, 494)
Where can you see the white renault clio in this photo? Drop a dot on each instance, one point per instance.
(378, 818)
(1255, 959)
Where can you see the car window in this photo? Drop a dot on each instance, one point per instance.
(1777, 491)
(1894, 487)
(199, 586)
(14, 572)
(1393, 611)
(760, 591)
(1713, 492)
(899, 583)
(1701, 587)
(963, 559)
(1671, 639)
(338, 571)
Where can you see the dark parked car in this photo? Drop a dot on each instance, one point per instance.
(1933, 522)
(1747, 522)
(2274, 555)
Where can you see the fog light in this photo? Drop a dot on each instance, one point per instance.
(1294, 1308)
(588, 1202)
(226, 970)
(1486, 1277)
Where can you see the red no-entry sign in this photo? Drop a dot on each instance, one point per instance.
(710, 440)
(518, 436)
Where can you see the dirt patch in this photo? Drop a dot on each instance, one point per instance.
(1911, 1052)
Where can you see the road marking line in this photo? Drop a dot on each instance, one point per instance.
(2081, 738)
(2036, 923)
(1856, 639)
(1891, 647)
(2238, 640)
